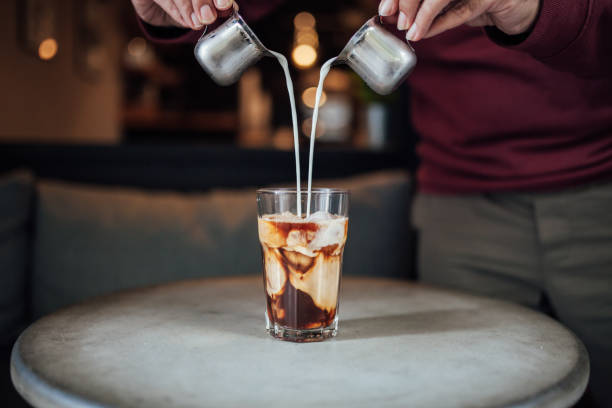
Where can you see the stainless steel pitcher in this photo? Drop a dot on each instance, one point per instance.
(381, 59)
(229, 50)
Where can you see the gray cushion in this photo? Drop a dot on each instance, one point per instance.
(15, 203)
(95, 240)
(379, 238)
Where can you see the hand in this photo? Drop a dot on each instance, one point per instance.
(426, 18)
(181, 13)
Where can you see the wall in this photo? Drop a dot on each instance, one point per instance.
(50, 102)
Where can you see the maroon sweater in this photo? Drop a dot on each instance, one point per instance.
(533, 116)
(500, 117)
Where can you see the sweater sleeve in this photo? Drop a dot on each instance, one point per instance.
(568, 35)
(251, 10)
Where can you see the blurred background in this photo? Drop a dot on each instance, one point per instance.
(82, 72)
(104, 136)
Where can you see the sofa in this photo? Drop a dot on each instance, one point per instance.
(62, 242)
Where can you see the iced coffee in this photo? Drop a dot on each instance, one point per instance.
(302, 261)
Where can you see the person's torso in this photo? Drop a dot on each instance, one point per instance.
(495, 119)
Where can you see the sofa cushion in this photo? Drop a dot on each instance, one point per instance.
(94, 240)
(15, 203)
(379, 241)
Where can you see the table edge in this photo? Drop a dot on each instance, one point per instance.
(42, 394)
(566, 392)
(39, 392)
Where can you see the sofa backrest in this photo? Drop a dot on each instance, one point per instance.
(95, 240)
(16, 191)
(189, 167)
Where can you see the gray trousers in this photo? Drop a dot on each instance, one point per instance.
(538, 249)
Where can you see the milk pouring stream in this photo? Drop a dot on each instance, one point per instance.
(231, 48)
(313, 131)
(296, 145)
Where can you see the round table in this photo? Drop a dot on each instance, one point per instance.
(202, 343)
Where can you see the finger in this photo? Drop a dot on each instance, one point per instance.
(195, 14)
(225, 13)
(186, 9)
(223, 4)
(155, 15)
(428, 10)
(387, 7)
(166, 20)
(171, 10)
(457, 15)
(205, 11)
(407, 12)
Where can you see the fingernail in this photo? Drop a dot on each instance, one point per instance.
(385, 7)
(412, 32)
(195, 20)
(207, 15)
(223, 4)
(402, 21)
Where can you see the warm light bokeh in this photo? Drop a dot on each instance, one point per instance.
(308, 37)
(47, 49)
(307, 128)
(137, 46)
(304, 20)
(305, 40)
(304, 55)
(309, 97)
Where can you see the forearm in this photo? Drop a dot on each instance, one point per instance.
(569, 35)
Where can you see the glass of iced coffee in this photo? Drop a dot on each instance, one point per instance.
(302, 245)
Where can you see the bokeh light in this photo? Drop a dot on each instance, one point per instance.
(137, 46)
(307, 127)
(47, 49)
(304, 20)
(304, 55)
(308, 37)
(309, 97)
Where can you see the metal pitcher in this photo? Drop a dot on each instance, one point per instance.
(229, 50)
(381, 59)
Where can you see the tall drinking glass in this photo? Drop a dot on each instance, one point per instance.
(302, 260)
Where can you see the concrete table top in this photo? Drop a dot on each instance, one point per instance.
(202, 343)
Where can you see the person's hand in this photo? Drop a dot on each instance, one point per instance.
(426, 18)
(181, 13)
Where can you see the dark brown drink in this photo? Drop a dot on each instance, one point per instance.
(302, 265)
